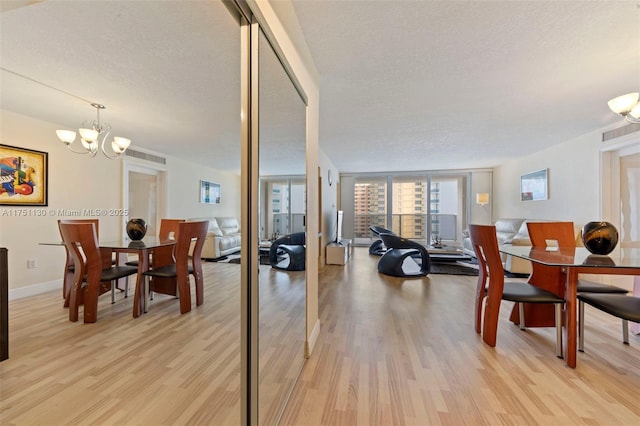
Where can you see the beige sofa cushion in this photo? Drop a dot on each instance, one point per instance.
(507, 229)
(228, 225)
(214, 229)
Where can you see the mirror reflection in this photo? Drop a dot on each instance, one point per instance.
(282, 279)
(168, 73)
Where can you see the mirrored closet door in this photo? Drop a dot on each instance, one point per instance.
(282, 204)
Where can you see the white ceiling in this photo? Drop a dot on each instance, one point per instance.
(414, 85)
(405, 85)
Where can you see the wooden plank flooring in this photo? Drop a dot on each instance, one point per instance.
(390, 352)
(162, 368)
(397, 351)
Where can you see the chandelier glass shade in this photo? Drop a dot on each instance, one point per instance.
(627, 106)
(93, 137)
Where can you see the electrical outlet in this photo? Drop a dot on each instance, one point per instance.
(31, 263)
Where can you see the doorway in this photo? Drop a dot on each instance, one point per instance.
(621, 200)
(144, 189)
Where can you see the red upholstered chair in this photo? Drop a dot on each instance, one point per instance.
(492, 286)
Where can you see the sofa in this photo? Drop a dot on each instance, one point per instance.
(223, 237)
(508, 231)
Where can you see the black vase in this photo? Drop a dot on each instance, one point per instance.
(136, 229)
(599, 237)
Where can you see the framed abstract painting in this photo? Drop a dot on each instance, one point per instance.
(24, 176)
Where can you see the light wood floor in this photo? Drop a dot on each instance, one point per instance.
(390, 352)
(396, 352)
(160, 368)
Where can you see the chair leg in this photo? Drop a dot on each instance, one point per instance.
(113, 291)
(559, 352)
(126, 288)
(521, 314)
(145, 292)
(625, 331)
(581, 326)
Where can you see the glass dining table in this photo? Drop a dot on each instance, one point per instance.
(143, 248)
(571, 262)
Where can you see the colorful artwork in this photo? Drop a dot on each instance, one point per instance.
(209, 192)
(23, 176)
(534, 186)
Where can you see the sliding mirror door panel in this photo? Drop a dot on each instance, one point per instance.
(282, 208)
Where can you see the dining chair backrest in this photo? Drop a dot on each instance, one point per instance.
(81, 241)
(169, 228)
(546, 234)
(485, 245)
(95, 222)
(69, 263)
(189, 232)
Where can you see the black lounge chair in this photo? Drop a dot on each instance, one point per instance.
(402, 257)
(377, 248)
(290, 247)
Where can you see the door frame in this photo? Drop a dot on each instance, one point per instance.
(147, 168)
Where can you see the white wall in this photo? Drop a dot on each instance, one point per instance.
(574, 182)
(183, 190)
(75, 182)
(574, 188)
(78, 182)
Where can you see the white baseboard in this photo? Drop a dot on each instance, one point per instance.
(32, 290)
(313, 338)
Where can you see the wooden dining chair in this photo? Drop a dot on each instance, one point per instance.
(92, 274)
(69, 266)
(562, 234)
(168, 230)
(180, 269)
(492, 287)
(627, 308)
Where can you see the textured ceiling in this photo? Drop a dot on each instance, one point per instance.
(413, 85)
(405, 85)
(167, 71)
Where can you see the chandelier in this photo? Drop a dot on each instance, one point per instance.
(627, 106)
(93, 136)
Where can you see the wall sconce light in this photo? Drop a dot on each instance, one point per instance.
(482, 198)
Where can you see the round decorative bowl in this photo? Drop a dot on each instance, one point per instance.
(599, 237)
(136, 229)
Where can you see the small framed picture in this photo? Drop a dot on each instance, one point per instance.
(24, 176)
(209, 192)
(534, 186)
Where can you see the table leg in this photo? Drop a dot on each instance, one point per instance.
(143, 266)
(570, 319)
